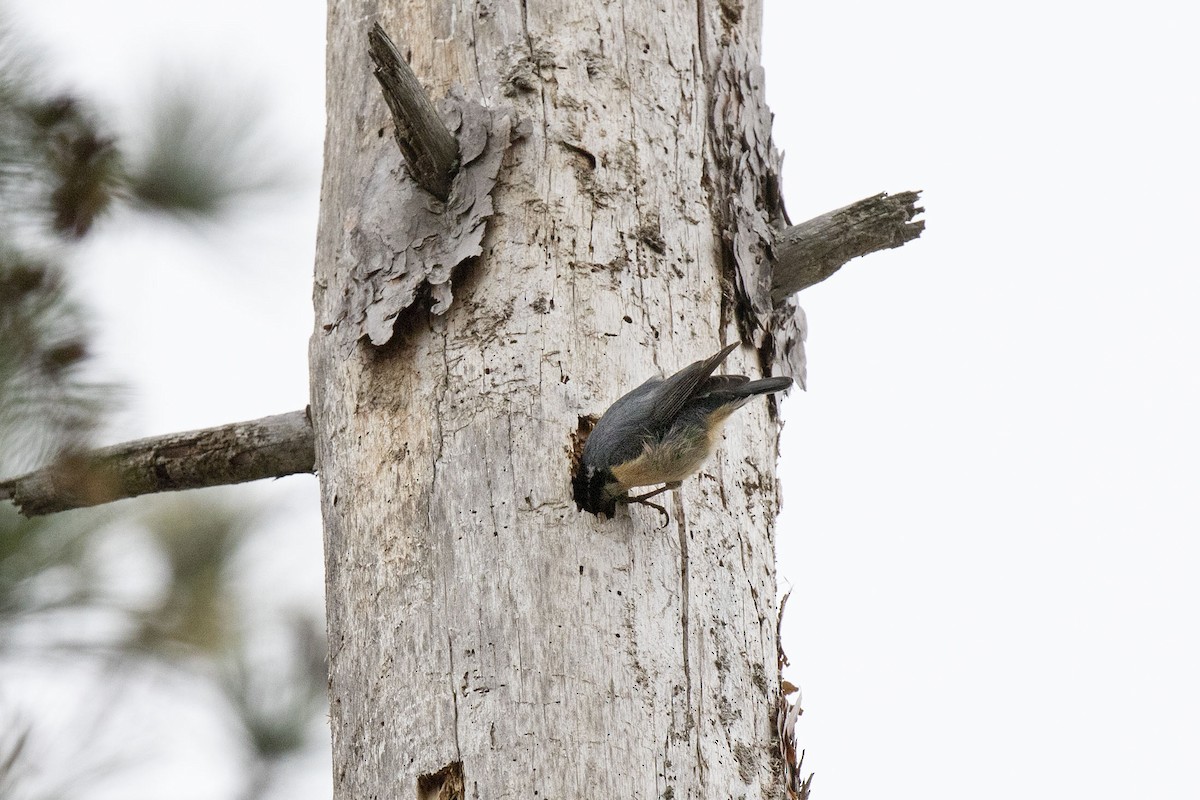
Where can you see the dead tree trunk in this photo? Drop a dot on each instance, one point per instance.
(482, 629)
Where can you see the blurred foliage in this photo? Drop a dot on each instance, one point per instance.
(27, 761)
(277, 700)
(203, 151)
(83, 163)
(197, 539)
(56, 175)
(47, 404)
(141, 587)
(66, 591)
(197, 150)
(14, 741)
(43, 568)
(58, 170)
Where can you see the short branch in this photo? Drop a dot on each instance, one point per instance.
(810, 252)
(244, 451)
(429, 149)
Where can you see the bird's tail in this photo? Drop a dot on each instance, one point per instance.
(731, 392)
(762, 386)
(729, 388)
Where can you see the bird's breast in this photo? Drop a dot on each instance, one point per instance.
(669, 461)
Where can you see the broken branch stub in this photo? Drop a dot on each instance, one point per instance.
(810, 252)
(429, 149)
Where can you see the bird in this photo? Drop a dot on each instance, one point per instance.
(661, 432)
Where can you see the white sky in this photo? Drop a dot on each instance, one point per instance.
(991, 485)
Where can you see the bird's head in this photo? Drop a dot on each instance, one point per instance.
(592, 487)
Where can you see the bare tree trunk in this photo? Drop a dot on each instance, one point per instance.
(482, 629)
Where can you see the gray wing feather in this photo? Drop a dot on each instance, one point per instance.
(681, 387)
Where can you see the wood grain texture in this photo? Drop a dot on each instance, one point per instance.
(271, 447)
(482, 628)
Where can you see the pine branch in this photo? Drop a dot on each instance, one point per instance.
(270, 447)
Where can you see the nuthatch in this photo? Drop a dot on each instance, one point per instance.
(661, 432)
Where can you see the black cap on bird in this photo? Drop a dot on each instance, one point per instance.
(661, 432)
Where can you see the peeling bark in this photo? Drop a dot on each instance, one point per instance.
(403, 242)
(744, 181)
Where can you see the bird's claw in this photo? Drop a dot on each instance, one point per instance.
(644, 502)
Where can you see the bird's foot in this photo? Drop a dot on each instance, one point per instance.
(644, 500)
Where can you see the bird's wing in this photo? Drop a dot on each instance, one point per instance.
(679, 388)
(721, 383)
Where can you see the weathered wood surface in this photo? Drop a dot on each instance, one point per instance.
(481, 627)
(271, 447)
(430, 150)
(810, 252)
